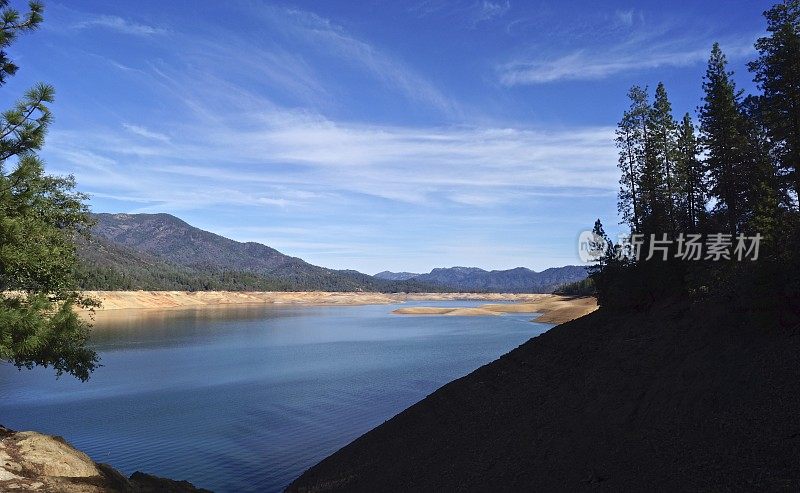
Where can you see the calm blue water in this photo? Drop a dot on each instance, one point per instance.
(247, 398)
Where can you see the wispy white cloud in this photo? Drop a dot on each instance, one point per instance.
(467, 13)
(327, 35)
(119, 24)
(271, 156)
(144, 132)
(240, 131)
(301, 160)
(625, 17)
(632, 55)
(487, 10)
(226, 136)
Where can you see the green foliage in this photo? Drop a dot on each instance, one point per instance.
(777, 73)
(108, 266)
(744, 162)
(37, 332)
(12, 25)
(648, 155)
(721, 125)
(40, 217)
(584, 287)
(633, 150)
(663, 129)
(690, 179)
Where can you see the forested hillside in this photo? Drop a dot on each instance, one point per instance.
(162, 252)
(519, 280)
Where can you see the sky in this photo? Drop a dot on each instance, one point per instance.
(371, 135)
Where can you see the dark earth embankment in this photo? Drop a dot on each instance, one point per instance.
(679, 398)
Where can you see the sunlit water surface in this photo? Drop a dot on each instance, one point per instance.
(246, 398)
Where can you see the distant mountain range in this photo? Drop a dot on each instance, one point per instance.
(519, 280)
(395, 276)
(162, 252)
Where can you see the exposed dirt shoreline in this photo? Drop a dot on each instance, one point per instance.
(114, 300)
(554, 309)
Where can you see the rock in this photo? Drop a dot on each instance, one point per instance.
(43, 455)
(31, 461)
(147, 483)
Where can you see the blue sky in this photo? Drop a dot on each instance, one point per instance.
(368, 135)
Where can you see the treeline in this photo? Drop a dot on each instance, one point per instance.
(726, 185)
(105, 278)
(584, 287)
(105, 266)
(167, 277)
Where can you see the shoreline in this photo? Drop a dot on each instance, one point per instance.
(117, 300)
(552, 308)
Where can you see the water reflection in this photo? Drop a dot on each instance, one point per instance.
(244, 398)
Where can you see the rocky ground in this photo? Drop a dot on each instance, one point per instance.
(33, 462)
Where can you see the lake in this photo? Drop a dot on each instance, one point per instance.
(245, 398)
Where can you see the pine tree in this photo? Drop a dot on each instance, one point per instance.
(652, 188)
(690, 182)
(777, 73)
(763, 197)
(744, 161)
(720, 125)
(663, 129)
(634, 149)
(40, 216)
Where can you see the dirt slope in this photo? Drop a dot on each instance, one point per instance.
(677, 399)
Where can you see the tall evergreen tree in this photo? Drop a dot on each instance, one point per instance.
(744, 161)
(663, 133)
(652, 187)
(777, 73)
(636, 161)
(40, 215)
(690, 182)
(763, 196)
(720, 124)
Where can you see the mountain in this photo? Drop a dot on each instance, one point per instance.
(105, 265)
(160, 251)
(175, 241)
(395, 276)
(519, 280)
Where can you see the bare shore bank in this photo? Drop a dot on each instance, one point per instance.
(554, 309)
(115, 300)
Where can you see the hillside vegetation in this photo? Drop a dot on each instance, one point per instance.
(162, 252)
(473, 279)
